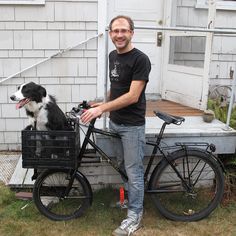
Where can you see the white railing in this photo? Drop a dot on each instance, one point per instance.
(232, 101)
(50, 57)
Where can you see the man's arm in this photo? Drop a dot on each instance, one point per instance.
(125, 100)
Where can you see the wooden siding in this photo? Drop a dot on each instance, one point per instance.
(29, 34)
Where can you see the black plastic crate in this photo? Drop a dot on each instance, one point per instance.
(50, 149)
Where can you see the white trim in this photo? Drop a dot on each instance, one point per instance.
(101, 55)
(208, 53)
(22, 2)
(220, 5)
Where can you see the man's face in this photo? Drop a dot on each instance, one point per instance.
(121, 35)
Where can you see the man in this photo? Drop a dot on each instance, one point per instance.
(129, 71)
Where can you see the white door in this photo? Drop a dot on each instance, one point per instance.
(186, 63)
(149, 13)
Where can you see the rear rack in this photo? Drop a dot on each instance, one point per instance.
(209, 147)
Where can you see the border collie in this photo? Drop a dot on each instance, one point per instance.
(41, 108)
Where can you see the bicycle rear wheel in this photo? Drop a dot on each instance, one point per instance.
(204, 178)
(51, 199)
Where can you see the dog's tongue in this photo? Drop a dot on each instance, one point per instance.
(21, 103)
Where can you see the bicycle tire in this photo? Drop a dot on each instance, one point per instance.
(203, 174)
(221, 93)
(49, 190)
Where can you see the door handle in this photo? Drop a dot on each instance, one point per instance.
(159, 39)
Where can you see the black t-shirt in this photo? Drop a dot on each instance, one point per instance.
(123, 69)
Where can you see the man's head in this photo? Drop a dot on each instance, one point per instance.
(121, 32)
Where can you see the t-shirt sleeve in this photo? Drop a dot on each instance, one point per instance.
(142, 68)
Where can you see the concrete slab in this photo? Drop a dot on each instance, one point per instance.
(8, 162)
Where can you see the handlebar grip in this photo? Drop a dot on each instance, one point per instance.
(81, 108)
(84, 105)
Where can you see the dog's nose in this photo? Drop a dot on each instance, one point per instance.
(13, 97)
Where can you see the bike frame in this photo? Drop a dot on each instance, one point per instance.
(156, 148)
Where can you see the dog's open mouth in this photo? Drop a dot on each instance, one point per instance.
(22, 102)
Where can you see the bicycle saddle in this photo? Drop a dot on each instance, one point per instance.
(169, 119)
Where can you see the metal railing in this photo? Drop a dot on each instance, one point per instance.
(214, 31)
(231, 103)
(59, 53)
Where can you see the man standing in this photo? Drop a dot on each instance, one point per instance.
(129, 70)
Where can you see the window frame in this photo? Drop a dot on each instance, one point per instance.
(220, 5)
(22, 2)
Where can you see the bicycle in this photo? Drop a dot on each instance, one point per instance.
(187, 184)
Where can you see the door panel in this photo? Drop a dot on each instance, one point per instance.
(177, 82)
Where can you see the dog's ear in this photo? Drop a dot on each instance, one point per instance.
(42, 91)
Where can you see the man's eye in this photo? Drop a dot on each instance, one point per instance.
(121, 31)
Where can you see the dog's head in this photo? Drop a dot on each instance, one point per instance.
(28, 92)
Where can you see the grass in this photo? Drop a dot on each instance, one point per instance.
(101, 219)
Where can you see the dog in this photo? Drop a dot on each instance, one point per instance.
(44, 115)
(41, 108)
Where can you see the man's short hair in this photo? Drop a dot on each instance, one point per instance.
(130, 21)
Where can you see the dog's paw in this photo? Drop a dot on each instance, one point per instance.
(29, 127)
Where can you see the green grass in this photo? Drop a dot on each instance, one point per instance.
(101, 219)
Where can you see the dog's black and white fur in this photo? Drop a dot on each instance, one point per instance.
(41, 108)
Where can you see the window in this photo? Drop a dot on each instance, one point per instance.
(220, 4)
(25, 2)
(187, 51)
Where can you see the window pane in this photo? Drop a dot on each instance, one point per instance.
(187, 50)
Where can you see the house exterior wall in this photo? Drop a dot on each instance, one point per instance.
(224, 46)
(29, 34)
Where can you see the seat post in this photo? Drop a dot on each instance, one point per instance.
(160, 135)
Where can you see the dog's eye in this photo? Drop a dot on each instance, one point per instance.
(18, 87)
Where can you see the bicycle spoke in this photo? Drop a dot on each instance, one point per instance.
(199, 175)
(177, 202)
(55, 200)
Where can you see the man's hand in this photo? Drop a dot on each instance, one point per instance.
(91, 113)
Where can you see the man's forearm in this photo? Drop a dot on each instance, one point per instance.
(120, 102)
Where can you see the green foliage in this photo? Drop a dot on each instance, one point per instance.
(221, 111)
(6, 195)
(229, 160)
(101, 219)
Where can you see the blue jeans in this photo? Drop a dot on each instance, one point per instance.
(129, 151)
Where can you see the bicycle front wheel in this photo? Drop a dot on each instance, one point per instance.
(194, 196)
(56, 200)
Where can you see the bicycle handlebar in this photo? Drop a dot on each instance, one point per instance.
(76, 112)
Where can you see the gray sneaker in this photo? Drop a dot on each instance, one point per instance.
(128, 226)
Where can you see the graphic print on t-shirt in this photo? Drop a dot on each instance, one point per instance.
(115, 71)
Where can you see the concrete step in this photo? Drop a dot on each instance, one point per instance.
(194, 129)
